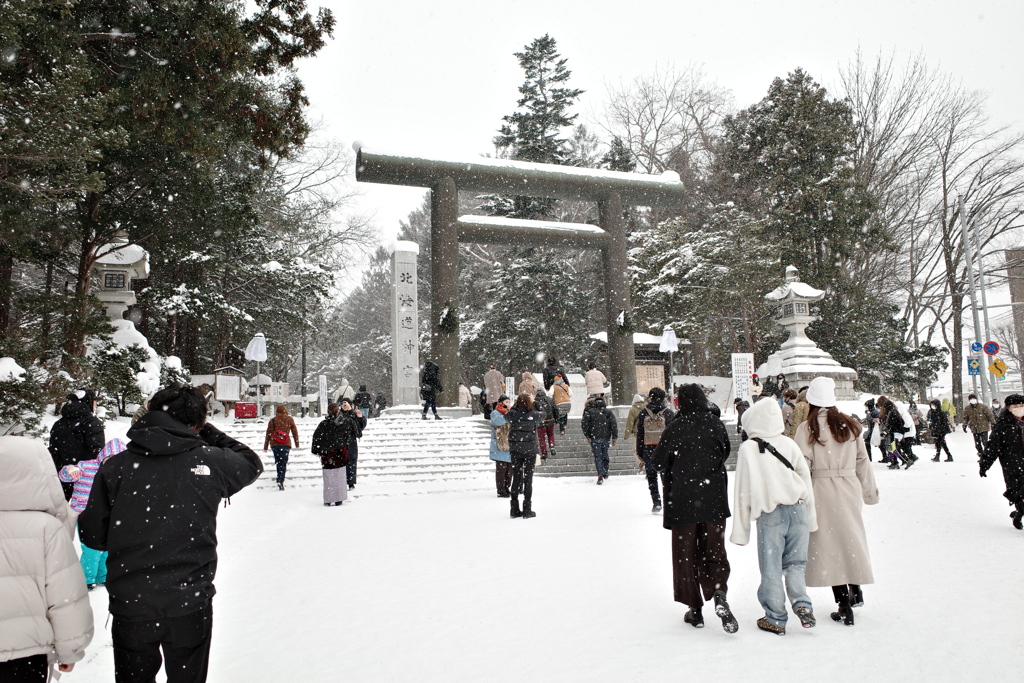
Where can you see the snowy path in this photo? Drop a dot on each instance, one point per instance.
(445, 587)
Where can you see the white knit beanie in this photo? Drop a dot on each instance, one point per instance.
(822, 392)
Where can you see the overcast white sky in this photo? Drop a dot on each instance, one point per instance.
(435, 78)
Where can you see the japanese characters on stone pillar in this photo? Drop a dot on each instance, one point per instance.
(405, 344)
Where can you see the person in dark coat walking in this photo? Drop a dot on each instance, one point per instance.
(352, 413)
(873, 418)
(363, 401)
(691, 456)
(552, 370)
(651, 422)
(430, 387)
(600, 427)
(1006, 444)
(379, 404)
(153, 508)
(331, 442)
(938, 425)
(523, 421)
(546, 431)
(280, 431)
(740, 406)
(77, 435)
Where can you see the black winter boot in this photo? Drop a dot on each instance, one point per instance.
(845, 611)
(516, 512)
(694, 618)
(856, 596)
(729, 622)
(528, 512)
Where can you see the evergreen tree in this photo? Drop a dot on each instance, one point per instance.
(790, 160)
(535, 132)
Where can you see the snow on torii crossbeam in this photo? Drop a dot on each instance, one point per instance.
(610, 189)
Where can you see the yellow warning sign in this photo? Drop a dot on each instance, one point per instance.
(998, 367)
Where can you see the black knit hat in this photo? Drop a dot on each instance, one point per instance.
(1014, 400)
(974, 396)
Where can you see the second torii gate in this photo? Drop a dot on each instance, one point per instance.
(612, 190)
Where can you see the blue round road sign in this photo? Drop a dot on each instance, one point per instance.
(976, 347)
(991, 348)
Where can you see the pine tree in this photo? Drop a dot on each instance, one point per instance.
(535, 131)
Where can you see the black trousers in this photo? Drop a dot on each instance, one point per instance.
(647, 455)
(185, 642)
(353, 462)
(522, 478)
(24, 670)
(981, 442)
(940, 445)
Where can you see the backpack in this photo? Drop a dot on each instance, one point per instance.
(654, 426)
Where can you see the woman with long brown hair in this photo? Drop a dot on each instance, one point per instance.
(837, 553)
(523, 421)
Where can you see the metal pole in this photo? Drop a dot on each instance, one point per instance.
(994, 379)
(302, 390)
(970, 289)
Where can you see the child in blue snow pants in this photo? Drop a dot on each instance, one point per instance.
(94, 564)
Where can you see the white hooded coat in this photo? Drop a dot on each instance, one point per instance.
(762, 483)
(44, 604)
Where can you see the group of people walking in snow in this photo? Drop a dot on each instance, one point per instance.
(804, 494)
(146, 515)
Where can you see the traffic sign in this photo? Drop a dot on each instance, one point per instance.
(975, 347)
(973, 365)
(998, 367)
(991, 348)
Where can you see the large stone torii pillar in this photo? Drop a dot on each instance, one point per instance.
(611, 190)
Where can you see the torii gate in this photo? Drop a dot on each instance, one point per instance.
(610, 189)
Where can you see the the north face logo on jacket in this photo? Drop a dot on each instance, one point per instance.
(201, 470)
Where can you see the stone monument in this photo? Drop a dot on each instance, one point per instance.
(799, 358)
(405, 343)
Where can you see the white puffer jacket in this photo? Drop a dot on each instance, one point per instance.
(762, 483)
(44, 604)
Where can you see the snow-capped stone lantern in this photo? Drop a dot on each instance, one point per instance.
(117, 265)
(799, 359)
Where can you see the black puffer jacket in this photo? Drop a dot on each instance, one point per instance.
(552, 370)
(76, 436)
(543, 404)
(154, 508)
(522, 433)
(430, 381)
(363, 400)
(938, 423)
(331, 440)
(692, 455)
(1005, 444)
(598, 422)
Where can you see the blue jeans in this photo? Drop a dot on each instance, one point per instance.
(281, 460)
(782, 536)
(599, 447)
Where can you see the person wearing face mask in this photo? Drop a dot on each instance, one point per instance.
(1007, 446)
(997, 408)
(938, 425)
(979, 418)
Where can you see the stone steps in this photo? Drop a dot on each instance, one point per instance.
(407, 449)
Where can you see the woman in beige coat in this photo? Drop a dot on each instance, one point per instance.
(837, 554)
(45, 615)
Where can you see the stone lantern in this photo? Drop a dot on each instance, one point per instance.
(799, 358)
(117, 265)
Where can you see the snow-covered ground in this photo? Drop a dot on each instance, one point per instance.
(445, 587)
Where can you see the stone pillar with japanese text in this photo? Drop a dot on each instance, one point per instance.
(405, 344)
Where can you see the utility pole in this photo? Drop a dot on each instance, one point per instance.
(970, 288)
(994, 379)
(303, 381)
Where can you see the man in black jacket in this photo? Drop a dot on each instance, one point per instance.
(650, 425)
(154, 508)
(599, 426)
(77, 435)
(551, 371)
